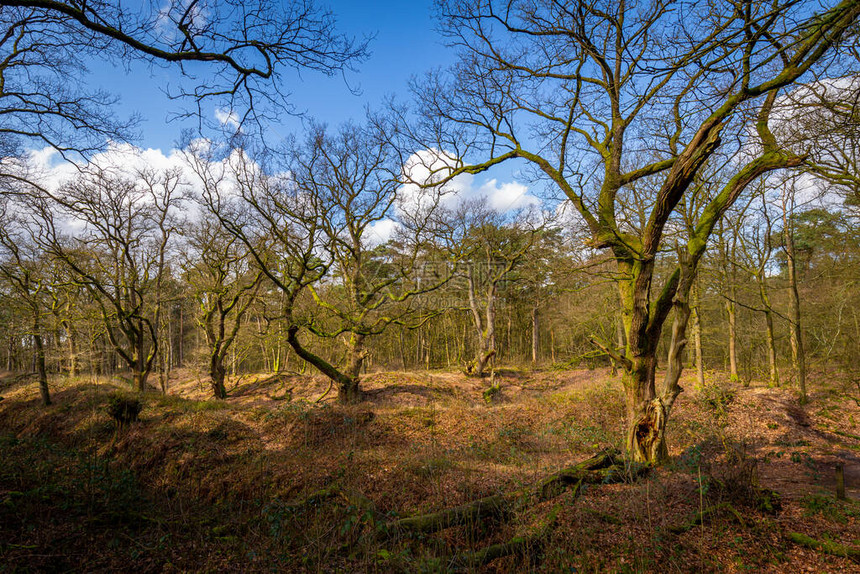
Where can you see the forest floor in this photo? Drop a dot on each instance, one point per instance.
(272, 480)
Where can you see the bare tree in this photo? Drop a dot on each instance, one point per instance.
(488, 246)
(726, 243)
(321, 220)
(114, 233)
(756, 253)
(25, 267)
(605, 95)
(225, 285)
(788, 203)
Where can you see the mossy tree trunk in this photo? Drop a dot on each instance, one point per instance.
(348, 388)
(697, 336)
(356, 355)
(649, 408)
(770, 336)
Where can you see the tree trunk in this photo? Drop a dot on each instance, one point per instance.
(73, 356)
(41, 369)
(648, 412)
(181, 335)
(773, 380)
(217, 374)
(349, 390)
(798, 357)
(535, 336)
(141, 373)
(355, 360)
(485, 329)
(646, 435)
(733, 351)
(697, 335)
(729, 278)
(139, 380)
(402, 351)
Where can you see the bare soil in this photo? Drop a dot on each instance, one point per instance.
(205, 485)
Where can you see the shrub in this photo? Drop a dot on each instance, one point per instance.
(124, 409)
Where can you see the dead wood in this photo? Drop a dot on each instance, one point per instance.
(603, 468)
(825, 546)
(350, 497)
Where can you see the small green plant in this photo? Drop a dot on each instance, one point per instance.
(491, 392)
(828, 507)
(690, 460)
(716, 397)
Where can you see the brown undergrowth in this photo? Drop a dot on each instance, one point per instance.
(271, 479)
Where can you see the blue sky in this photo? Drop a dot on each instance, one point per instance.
(405, 44)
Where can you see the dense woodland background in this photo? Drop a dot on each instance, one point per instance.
(556, 297)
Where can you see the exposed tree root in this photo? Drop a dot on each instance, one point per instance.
(599, 469)
(603, 468)
(825, 546)
(471, 513)
(518, 545)
(322, 396)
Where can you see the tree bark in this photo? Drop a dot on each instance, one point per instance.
(355, 360)
(798, 357)
(646, 435)
(217, 374)
(729, 276)
(773, 380)
(349, 390)
(41, 369)
(731, 310)
(535, 335)
(485, 329)
(697, 335)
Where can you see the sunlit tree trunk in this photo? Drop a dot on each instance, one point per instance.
(773, 378)
(697, 335)
(731, 311)
(485, 328)
(798, 357)
(535, 335)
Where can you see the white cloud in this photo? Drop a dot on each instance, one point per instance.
(380, 232)
(431, 165)
(227, 118)
(507, 196)
(122, 159)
